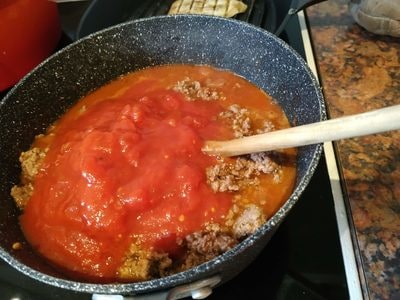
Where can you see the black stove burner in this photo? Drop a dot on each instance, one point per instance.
(303, 260)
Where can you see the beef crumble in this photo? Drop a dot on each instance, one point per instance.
(240, 121)
(30, 164)
(140, 264)
(228, 175)
(248, 221)
(194, 90)
(201, 246)
(232, 175)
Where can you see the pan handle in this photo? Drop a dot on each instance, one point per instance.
(197, 290)
(295, 7)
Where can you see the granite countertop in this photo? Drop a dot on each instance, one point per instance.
(359, 72)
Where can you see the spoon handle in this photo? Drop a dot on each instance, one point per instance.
(376, 121)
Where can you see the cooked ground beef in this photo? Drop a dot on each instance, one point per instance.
(142, 264)
(248, 221)
(30, 164)
(242, 172)
(194, 90)
(205, 245)
(267, 127)
(21, 194)
(231, 176)
(240, 119)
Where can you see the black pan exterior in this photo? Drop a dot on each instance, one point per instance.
(48, 91)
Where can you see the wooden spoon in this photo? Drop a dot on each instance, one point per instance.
(375, 121)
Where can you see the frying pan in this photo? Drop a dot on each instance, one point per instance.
(56, 84)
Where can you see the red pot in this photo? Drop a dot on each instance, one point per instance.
(29, 32)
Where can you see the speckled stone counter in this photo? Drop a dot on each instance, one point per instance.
(360, 71)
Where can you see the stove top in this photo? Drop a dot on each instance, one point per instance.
(303, 260)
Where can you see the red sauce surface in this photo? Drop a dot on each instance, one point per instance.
(126, 162)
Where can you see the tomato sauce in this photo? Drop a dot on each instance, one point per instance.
(125, 163)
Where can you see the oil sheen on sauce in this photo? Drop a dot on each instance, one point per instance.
(126, 162)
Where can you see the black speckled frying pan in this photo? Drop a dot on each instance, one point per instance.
(44, 94)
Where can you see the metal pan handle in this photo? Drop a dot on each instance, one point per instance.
(295, 7)
(197, 290)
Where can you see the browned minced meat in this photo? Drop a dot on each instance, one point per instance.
(205, 245)
(240, 121)
(194, 90)
(31, 161)
(22, 194)
(248, 221)
(200, 246)
(242, 172)
(139, 264)
(227, 176)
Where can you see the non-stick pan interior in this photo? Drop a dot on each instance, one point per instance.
(41, 97)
